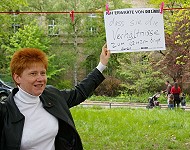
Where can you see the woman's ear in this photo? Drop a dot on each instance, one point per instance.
(16, 78)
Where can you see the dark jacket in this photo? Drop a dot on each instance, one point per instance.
(55, 102)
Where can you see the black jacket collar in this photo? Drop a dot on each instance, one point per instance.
(48, 104)
(15, 114)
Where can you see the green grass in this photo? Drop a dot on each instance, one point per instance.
(132, 129)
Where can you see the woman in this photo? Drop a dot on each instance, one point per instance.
(176, 90)
(36, 117)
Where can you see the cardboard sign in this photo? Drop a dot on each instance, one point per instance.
(133, 30)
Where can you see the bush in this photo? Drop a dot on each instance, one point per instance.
(109, 87)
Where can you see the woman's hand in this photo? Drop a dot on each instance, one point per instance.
(105, 55)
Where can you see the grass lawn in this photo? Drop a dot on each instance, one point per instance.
(132, 129)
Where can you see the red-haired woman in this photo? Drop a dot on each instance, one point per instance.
(36, 116)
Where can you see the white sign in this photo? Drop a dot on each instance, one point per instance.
(132, 30)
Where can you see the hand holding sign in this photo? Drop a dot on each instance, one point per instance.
(130, 30)
(105, 55)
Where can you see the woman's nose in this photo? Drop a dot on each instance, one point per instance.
(40, 77)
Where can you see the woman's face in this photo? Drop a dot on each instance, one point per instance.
(33, 79)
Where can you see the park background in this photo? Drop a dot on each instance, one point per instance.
(74, 46)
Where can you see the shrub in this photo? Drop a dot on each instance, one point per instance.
(109, 87)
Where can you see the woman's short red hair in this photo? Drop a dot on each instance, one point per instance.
(24, 57)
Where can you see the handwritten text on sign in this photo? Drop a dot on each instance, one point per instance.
(129, 30)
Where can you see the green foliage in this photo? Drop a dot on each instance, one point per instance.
(68, 51)
(65, 84)
(182, 18)
(53, 69)
(12, 5)
(132, 129)
(137, 73)
(96, 40)
(175, 63)
(6, 29)
(30, 36)
(170, 3)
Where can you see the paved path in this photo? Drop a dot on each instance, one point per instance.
(121, 104)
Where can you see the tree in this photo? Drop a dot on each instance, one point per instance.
(6, 29)
(177, 58)
(137, 73)
(175, 61)
(73, 33)
(96, 39)
(31, 35)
